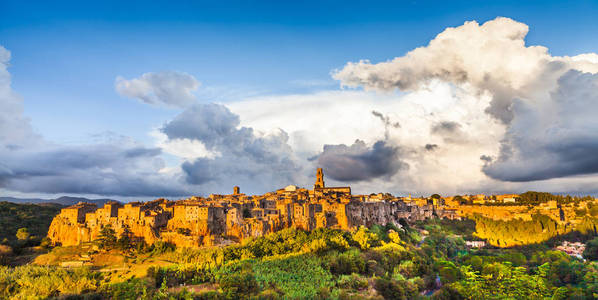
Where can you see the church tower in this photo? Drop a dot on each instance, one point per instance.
(319, 179)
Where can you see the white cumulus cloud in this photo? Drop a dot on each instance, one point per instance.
(163, 88)
(546, 103)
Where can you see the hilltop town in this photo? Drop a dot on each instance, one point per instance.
(317, 239)
(221, 219)
(199, 221)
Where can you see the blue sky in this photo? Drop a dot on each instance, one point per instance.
(66, 55)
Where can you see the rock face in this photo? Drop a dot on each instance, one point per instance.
(370, 213)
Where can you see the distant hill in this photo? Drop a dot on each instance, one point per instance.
(64, 200)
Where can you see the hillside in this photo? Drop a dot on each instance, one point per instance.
(35, 217)
(427, 260)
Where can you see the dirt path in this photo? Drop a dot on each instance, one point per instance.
(197, 288)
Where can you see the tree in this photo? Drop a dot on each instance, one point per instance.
(394, 237)
(365, 238)
(239, 284)
(107, 238)
(23, 234)
(124, 242)
(461, 200)
(504, 282)
(447, 292)
(591, 251)
(391, 289)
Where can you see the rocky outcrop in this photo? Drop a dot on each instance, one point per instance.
(516, 225)
(64, 232)
(384, 212)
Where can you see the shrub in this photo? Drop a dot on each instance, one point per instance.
(365, 238)
(35, 281)
(237, 284)
(591, 251)
(347, 263)
(447, 292)
(130, 289)
(210, 295)
(353, 281)
(390, 289)
(161, 247)
(23, 234)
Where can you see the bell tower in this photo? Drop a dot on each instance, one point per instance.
(319, 179)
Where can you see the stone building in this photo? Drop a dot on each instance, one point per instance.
(77, 212)
(199, 221)
(321, 189)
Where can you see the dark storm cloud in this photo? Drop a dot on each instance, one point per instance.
(573, 157)
(103, 169)
(243, 155)
(212, 124)
(556, 138)
(358, 162)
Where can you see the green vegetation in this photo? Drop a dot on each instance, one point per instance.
(591, 251)
(23, 234)
(464, 228)
(277, 266)
(534, 198)
(25, 223)
(31, 282)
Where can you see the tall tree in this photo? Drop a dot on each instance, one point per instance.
(107, 238)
